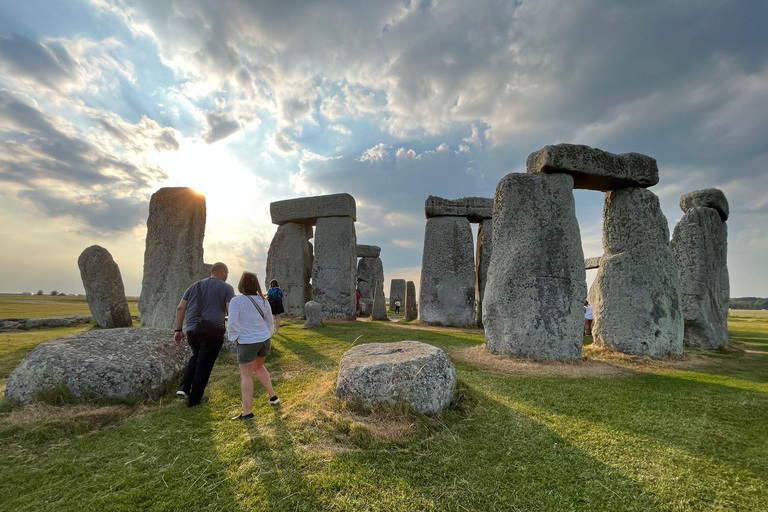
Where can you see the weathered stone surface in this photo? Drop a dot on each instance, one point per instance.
(592, 263)
(34, 323)
(104, 288)
(289, 260)
(368, 251)
(173, 258)
(411, 308)
(636, 295)
(416, 374)
(114, 364)
(334, 270)
(313, 312)
(396, 292)
(307, 210)
(708, 197)
(366, 307)
(206, 271)
(482, 260)
(700, 246)
(370, 272)
(475, 209)
(534, 299)
(447, 290)
(595, 169)
(379, 304)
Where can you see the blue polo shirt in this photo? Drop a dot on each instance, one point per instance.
(216, 294)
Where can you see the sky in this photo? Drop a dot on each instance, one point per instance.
(102, 102)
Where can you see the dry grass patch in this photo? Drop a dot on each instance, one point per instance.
(482, 359)
(97, 415)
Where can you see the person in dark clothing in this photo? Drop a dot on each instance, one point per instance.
(204, 305)
(275, 298)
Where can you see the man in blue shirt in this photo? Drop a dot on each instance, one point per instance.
(205, 306)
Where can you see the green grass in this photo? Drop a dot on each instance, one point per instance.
(748, 313)
(40, 306)
(648, 435)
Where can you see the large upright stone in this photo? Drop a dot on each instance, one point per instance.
(289, 260)
(475, 209)
(534, 299)
(368, 251)
(396, 292)
(411, 309)
(334, 270)
(313, 312)
(700, 246)
(370, 273)
(447, 293)
(207, 267)
(595, 169)
(104, 288)
(636, 295)
(482, 260)
(708, 197)
(379, 304)
(307, 210)
(173, 258)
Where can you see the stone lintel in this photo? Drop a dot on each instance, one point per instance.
(368, 251)
(476, 209)
(591, 263)
(595, 169)
(306, 210)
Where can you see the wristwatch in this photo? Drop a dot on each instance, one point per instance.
(178, 330)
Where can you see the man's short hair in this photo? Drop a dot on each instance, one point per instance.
(218, 267)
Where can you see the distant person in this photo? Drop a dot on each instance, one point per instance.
(587, 319)
(357, 306)
(250, 327)
(205, 305)
(275, 298)
(397, 306)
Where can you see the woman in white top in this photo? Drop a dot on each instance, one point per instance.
(587, 319)
(250, 326)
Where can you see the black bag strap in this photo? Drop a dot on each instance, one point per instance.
(261, 312)
(199, 288)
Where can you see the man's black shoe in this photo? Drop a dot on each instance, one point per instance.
(202, 401)
(242, 416)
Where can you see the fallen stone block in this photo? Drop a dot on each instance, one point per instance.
(109, 364)
(407, 372)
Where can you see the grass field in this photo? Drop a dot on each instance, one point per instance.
(748, 313)
(609, 433)
(39, 306)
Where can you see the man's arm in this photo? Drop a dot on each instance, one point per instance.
(178, 324)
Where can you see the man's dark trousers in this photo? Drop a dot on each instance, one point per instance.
(205, 349)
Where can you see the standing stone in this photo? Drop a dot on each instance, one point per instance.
(313, 312)
(636, 294)
(366, 307)
(534, 299)
(709, 197)
(289, 260)
(379, 305)
(447, 294)
(334, 270)
(104, 288)
(700, 246)
(173, 258)
(396, 292)
(206, 270)
(370, 273)
(483, 259)
(411, 309)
